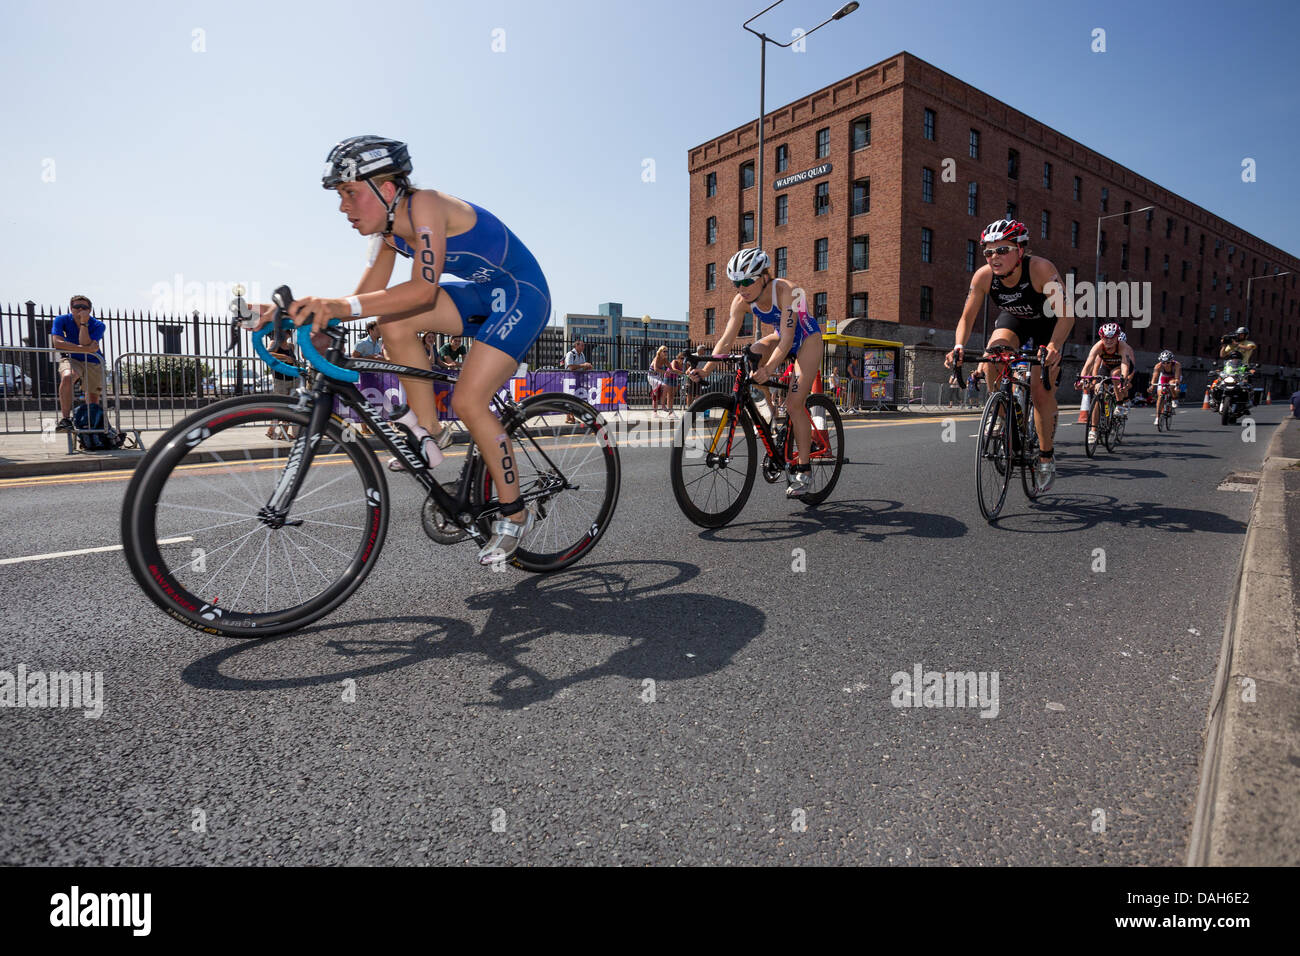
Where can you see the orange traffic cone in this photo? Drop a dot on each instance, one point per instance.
(1268, 397)
(1207, 399)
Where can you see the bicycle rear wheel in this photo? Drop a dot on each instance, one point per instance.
(568, 474)
(827, 453)
(197, 543)
(713, 461)
(1109, 422)
(993, 456)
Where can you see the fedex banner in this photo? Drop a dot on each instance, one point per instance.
(606, 391)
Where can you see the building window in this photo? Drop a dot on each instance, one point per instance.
(781, 258)
(861, 253)
(861, 196)
(746, 175)
(1185, 235)
(1105, 198)
(1166, 266)
(710, 184)
(1046, 226)
(858, 305)
(709, 319)
(1011, 209)
(1047, 175)
(927, 241)
(782, 209)
(823, 143)
(1164, 301)
(1078, 189)
(1146, 259)
(927, 303)
(1123, 256)
(1101, 245)
(1169, 228)
(1127, 206)
(1013, 164)
(746, 228)
(710, 277)
(927, 127)
(819, 305)
(821, 255)
(712, 231)
(862, 132)
(822, 199)
(972, 253)
(974, 144)
(1182, 276)
(1151, 215)
(782, 158)
(747, 324)
(1074, 235)
(927, 184)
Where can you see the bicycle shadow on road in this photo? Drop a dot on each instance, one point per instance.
(871, 519)
(1072, 468)
(1064, 513)
(601, 600)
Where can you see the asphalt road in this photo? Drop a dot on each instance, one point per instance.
(506, 718)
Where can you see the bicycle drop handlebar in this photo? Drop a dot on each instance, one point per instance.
(283, 298)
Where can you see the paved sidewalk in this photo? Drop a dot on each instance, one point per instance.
(25, 455)
(1248, 804)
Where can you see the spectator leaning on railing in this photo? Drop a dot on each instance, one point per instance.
(453, 353)
(372, 346)
(576, 361)
(78, 335)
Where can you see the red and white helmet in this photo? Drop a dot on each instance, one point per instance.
(1109, 331)
(1005, 229)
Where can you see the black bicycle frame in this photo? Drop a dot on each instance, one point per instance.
(745, 402)
(326, 389)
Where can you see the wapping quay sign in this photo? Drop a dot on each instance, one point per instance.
(817, 172)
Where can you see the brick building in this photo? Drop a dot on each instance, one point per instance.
(903, 166)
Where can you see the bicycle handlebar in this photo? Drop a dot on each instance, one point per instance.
(283, 298)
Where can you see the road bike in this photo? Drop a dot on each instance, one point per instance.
(1007, 439)
(1165, 411)
(714, 458)
(1109, 429)
(254, 541)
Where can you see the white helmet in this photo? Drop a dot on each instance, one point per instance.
(747, 264)
(1165, 356)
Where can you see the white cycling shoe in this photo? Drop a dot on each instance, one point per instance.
(800, 482)
(1046, 474)
(506, 535)
(430, 447)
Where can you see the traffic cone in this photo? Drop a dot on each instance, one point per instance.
(1268, 397)
(1207, 399)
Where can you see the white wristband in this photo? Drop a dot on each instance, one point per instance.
(355, 302)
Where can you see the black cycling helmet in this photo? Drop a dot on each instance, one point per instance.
(362, 158)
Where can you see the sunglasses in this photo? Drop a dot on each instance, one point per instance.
(81, 308)
(998, 251)
(744, 283)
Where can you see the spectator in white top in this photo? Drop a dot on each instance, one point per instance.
(575, 360)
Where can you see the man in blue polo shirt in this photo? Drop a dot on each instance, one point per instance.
(78, 336)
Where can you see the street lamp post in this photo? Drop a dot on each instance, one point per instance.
(645, 341)
(1096, 274)
(1252, 279)
(764, 40)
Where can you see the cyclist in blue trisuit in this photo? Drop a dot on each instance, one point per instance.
(502, 302)
(795, 335)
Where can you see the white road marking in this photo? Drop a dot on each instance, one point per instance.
(73, 554)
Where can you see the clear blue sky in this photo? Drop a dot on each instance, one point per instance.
(206, 164)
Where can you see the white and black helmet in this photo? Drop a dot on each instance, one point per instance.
(747, 264)
(1005, 229)
(1165, 356)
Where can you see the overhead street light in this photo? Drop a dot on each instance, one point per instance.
(764, 40)
(1096, 275)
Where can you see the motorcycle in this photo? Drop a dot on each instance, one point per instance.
(1232, 396)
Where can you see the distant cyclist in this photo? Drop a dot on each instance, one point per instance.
(502, 303)
(795, 335)
(1031, 308)
(1118, 360)
(1165, 379)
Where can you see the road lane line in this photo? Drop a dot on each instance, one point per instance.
(72, 554)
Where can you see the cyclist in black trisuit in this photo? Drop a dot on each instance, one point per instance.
(1031, 310)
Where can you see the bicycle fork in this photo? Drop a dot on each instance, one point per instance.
(275, 513)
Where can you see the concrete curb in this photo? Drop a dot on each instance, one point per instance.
(1248, 797)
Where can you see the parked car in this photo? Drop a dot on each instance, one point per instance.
(13, 381)
(225, 383)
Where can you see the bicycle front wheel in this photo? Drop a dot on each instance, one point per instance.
(993, 456)
(713, 461)
(1109, 425)
(1029, 459)
(198, 544)
(827, 453)
(569, 475)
